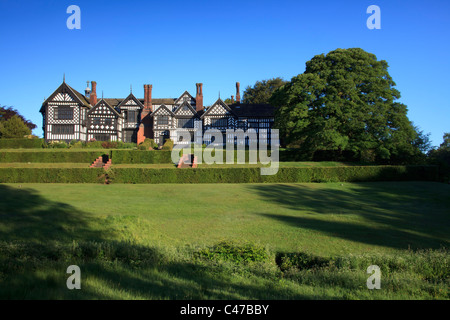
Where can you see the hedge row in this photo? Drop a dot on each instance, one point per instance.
(50, 157)
(139, 156)
(284, 175)
(218, 175)
(52, 175)
(21, 143)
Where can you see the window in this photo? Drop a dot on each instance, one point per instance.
(64, 113)
(163, 120)
(63, 129)
(186, 123)
(108, 122)
(253, 124)
(132, 116)
(102, 137)
(221, 122)
(96, 121)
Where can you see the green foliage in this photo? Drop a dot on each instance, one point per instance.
(14, 127)
(21, 143)
(93, 144)
(234, 252)
(148, 144)
(77, 145)
(262, 91)
(51, 175)
(57, 145)
(9, 112)
(50, 156)
(138, 156)
(300, 260)
(441, 157)
(168, 145)
(346, 101)
(284, 175)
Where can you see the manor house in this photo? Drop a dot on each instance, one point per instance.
(69, 115)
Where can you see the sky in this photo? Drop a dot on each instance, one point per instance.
(175, 44)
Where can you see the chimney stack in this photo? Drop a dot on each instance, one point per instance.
(148, 97)
(87, 91)
(93, 96)
(232, 99)
(238, 95)
(199, 97)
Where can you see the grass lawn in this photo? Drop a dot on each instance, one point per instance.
(236, 165)
(143, 241)
(44, 165)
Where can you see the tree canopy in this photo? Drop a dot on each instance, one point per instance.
(346, 103)
(7, 113)
(14, 127)
(261, 92)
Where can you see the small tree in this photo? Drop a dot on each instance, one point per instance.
(14, 127)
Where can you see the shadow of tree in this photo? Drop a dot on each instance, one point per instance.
(397, 215)
(36, 247)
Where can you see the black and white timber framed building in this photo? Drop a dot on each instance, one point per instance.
(69, 115)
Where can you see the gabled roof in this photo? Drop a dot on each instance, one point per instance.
(130, 97)
(185, 104)
(103, 102)
(186, 92)
(65, 88)
(253, 110)
(221, 103)
(161, 108)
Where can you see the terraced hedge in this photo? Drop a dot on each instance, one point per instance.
(52, 175)
(50, 157)
(219, 175)
(284, 175)
(21, 143)
(139, 156)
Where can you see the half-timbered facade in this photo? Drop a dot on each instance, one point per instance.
(104, 123)
(69, 115)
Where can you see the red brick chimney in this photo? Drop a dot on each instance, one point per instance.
(232, 99)
(199, 97)
(238, 94)
(148, 97)
(93, 97)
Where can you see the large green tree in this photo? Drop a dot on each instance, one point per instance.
(8, 112)
(261, 92)
(346, 102)
(14, 127)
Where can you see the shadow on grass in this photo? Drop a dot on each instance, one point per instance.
(395, 214)
(40, 238)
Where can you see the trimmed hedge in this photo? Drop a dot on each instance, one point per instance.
(50, 157)
(140, 156)
(284, 175)
(52, 175)
(21, 143)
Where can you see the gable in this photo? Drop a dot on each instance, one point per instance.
(219, 108)
(185, 110)
(130, 102)
(64, 93)
(186, 97)
(162, 111)
(102, 108)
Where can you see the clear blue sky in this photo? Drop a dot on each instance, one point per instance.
(174, 44)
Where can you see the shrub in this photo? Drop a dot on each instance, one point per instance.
(109, 145)
(230, 251)
(57, 144)
(94, 144)
(21, 143)
(148, 144)
(168, 145)
(77, 145)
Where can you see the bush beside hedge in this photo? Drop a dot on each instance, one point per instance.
(52, 175)
(284, 175)
(21, 143)
(50, 157)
